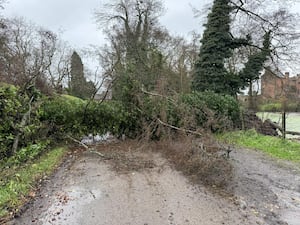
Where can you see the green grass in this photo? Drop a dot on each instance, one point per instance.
(276, 147)
(277, 107)
(271, 107)
(15, 189)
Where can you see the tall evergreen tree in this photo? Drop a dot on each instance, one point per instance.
(217, 45)
(79, 87)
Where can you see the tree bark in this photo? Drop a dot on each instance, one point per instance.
(282, 130)
(24, 120)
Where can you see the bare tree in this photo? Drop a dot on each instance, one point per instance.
(132, 32)
(28, 53)
(58, 73)
(180, 56)
(256, 17)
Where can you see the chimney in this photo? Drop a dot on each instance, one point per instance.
(287, 75)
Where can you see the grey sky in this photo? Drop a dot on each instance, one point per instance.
(75, 17)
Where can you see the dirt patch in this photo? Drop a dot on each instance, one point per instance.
(251, 120)
(125, 157)
(202, 160)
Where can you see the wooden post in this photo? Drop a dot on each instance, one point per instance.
(250, 102)
(284, 123)
(285, 83)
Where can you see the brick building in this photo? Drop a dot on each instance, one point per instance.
(275, 86)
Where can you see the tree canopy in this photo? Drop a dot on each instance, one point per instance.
(79, 87)
(218, 45)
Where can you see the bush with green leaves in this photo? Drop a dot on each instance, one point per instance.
(211, 110)
(107, 117)
(61, 114)
(208, 110)
(10, 108)
(18, 118)
(75, 117)
(30, 152)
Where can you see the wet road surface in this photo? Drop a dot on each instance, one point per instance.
(90, 191)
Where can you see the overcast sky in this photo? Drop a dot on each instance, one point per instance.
(75, 17)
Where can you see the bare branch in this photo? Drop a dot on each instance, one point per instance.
(179, 129)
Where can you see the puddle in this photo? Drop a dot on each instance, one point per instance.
(90, 139)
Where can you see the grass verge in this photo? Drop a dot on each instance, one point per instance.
(16, 189)
(276, 147)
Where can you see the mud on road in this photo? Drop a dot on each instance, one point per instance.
(117, 187)
(270, 188)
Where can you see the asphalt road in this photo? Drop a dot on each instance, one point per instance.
(142, 188)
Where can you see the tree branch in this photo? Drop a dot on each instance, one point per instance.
(157, 95)
(179, 129)
(78, 142)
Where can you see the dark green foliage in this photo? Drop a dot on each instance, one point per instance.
(213, 110)
(79, 87)
(208, 110)
(256, 61)
(61, 114)
(55, 118)
(13, 106)
(27, 153)
(125, 88)
(76, 118)
(217, 45)
(10, 108)
(108, 117)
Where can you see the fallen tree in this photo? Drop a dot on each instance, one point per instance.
(281, 129)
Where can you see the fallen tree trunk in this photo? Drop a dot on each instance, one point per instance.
(78, 142)
(281, 129)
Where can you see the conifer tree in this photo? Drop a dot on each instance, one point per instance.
(79, 87)
(217, 45)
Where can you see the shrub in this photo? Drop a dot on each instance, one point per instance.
(192, 111)
(10, 108)
(61, 115)
(29, 152)
(213, 110)
(73, 117)
(14, 105)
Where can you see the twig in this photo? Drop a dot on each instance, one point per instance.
(157, 95)
(78, 142)
(98, 153)
(91, 150)
(92, 194)
(177, 128)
